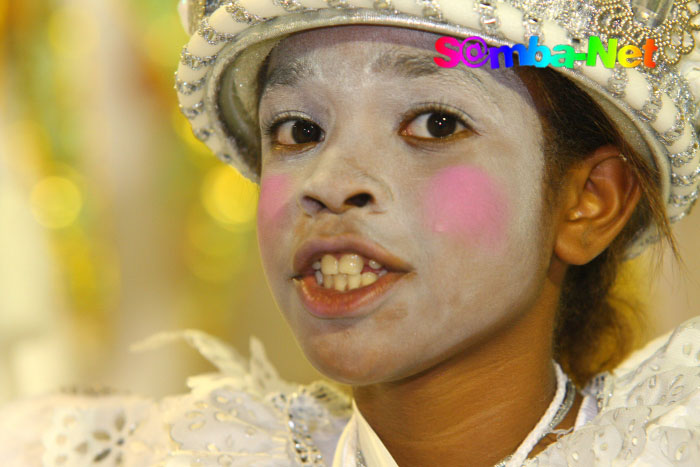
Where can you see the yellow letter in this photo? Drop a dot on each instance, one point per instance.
(629, 56)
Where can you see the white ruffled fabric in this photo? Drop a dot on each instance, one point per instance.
(647, 413)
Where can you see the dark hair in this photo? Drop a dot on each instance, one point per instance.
(596, 327)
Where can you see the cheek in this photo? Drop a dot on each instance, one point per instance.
(275, 197)
(465, 203)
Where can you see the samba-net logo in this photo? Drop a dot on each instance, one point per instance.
(474, 53)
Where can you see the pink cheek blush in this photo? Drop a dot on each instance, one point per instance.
(464, 202)
(274, 201)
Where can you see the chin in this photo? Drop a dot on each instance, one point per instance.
(347, 362)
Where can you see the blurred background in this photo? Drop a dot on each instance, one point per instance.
(116, 223)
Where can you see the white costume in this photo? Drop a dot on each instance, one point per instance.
(645, 413)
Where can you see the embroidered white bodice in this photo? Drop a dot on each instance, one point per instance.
(646, 413)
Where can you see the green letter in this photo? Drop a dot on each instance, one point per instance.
(595, 48)
(564, 59)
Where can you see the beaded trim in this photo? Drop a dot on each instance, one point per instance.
(490, 22)
(682, 158)
(337, 3)
(305, 450)
(685, 180)
(431, 9)
(194, 61)
(290, 5)
(193, 112)
(211, 35)
(195, 12)
(187, 88)
(383, 5)
(360, 459)
(240, 14)
(618, 82)
(671, 135)
(203, 134)
(652, 106)
(225, 158)
(533, 27)
(680, 201)
(298, 415)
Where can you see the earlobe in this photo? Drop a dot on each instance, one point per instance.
(598, 199)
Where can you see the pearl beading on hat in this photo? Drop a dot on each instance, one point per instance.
(658, 96)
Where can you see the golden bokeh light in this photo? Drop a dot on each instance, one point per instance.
(229, 198)
(27, 143)
(211, 239)
(56, 202)
(214, 253)
(73, 32)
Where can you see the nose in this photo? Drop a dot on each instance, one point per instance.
(314, 204)
(337, 186)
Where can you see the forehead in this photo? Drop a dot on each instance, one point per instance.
(359, 51)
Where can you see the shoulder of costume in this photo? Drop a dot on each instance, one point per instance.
(648, 409)
(244, 414)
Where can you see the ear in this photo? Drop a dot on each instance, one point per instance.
(598, 198)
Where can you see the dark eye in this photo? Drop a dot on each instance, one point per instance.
(298, 131)
(434, 125)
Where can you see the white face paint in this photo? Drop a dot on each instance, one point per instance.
(370, 147)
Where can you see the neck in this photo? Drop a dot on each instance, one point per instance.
(474, 408)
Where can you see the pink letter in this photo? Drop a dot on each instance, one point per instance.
(441, 48)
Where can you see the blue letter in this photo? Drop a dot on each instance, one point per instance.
(565, 58)
(530, 58)
(507, 55)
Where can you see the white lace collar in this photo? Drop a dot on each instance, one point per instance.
(358, 437)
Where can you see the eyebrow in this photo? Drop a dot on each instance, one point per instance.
(411, 65)
(390, 62)
(289, 74)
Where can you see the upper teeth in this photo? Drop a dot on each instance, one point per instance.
(345, 273)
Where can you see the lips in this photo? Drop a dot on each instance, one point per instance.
(323, 302)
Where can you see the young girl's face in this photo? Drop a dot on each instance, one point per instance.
(434, 174)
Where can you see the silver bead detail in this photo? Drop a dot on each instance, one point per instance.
(681, 158)
(195, 62)
(680, 201)
(194, 111)
(187, 88)
(617, 83)
(490, 22)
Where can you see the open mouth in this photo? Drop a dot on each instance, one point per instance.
(345, 278)
(347, 271)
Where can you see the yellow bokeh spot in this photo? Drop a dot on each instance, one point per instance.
(56, 202)
(229, 198)
(211, 239)
(73, 31)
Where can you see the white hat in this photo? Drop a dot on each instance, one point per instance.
(654, 108)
